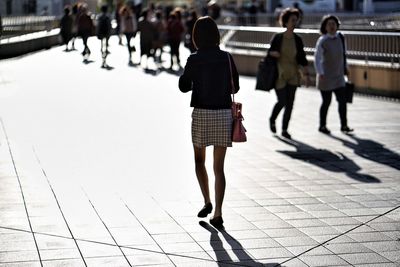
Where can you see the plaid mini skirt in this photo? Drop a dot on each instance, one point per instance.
(212, 127)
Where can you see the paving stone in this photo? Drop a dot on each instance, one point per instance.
(23, 255)
(322, 260)
(62, 263)
(363, 258)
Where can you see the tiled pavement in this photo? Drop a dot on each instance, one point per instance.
(96, 169)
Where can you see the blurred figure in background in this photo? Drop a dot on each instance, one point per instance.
(331, 67)
(118, 8)
(128, 27)
(160, 37)
(175, 31)
(253, 10)
(189, 30)
(85, 29)
(66, 23)
(74, 16)
(288, 49)
(147, 34)
(103, 33)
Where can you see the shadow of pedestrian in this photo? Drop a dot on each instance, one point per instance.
(222, 255)
(87, 61)
(327, 160)
(371, 150)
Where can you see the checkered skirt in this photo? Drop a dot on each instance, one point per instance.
(212, 127)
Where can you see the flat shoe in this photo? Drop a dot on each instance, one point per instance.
(286, 135)
(217, 222)
(205, 210)
(346, 129)
(324, 130)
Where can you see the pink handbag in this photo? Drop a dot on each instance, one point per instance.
(238, 130)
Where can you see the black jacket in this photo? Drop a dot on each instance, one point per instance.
(208, 75)
(276, 44)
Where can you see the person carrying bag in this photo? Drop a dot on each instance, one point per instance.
(209, 73)
(331, 68)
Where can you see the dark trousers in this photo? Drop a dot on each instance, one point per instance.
(326, 101)
(285, 100)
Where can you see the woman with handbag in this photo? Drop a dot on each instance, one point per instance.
(288, 49)
(208, 74)
(331, 67)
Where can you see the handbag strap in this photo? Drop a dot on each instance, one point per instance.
(230, 72)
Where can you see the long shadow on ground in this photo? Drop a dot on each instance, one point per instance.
(371, 150)
(327, 160)
(223, 257)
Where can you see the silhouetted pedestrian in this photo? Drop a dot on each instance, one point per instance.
(74, 16)
(288, 49)
(129, 28)
(118, 7)
(253, 10)
(66, 23)
(160, 37)
(175, 31)
(331, 67)
(208, 75)
(103, 33)
(147, 34)
(189, 29)
(85, 29)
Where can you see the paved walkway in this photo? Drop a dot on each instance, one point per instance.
(96, 169)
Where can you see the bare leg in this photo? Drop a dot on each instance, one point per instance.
(219, 159)
(201, 172)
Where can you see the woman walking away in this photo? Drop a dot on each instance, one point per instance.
(66, 27)
(208, 75)
(175, 30)
(85, 29)
(128, 27)
(331, 67)
(288, 49)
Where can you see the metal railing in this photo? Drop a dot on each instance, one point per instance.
(365, 45)
(18, 25)
(350, 21)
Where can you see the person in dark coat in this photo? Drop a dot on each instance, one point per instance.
(189, 29)
(85, 29)
(208, 74)
(288, 49)
(103, 33)
(66, 27)
(147, 35)
(175, 30)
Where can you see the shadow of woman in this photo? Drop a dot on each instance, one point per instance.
(325, 159)
(223, 257)
(371, 150)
